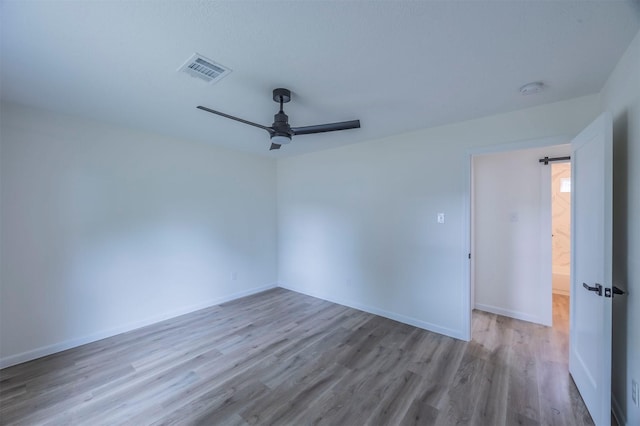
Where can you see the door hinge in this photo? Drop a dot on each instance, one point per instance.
(469, 255)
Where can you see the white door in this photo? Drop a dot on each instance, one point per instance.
(591, 283)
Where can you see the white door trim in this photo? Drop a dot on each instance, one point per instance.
(546, 242)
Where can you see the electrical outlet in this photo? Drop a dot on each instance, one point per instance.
(634, 393)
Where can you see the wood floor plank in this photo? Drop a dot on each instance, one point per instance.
(282, 358)
(420, 413)
(523, 400)
(439, 368)
(491, 407)
(218, 406)
(291, 397)
(463, 394)
(396, 399)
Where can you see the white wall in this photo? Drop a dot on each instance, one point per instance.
(357, 224)
(512, 233)
(621, 96)
(105, 229)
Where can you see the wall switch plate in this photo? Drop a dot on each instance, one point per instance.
(234, 276)
(440, 217)
(635, 397)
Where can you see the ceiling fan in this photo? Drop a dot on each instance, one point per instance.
(280, 131)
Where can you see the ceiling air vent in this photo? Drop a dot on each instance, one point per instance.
(203, 68)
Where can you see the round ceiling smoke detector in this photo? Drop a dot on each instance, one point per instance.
(532, 88)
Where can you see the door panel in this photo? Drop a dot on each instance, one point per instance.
(590, 345)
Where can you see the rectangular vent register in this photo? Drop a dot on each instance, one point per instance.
(205, 69)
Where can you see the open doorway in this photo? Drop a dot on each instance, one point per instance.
(561, 243)
(511, 231)
(588, 344)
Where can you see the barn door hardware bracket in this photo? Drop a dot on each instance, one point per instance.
(597, 288)
(547, 160)
(616, 290)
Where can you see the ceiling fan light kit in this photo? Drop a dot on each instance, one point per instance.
(280, 139)
(280, 131)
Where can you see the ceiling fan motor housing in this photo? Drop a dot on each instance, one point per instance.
(281, 128)
(281, 124)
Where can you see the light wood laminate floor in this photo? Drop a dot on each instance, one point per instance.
(280, 357)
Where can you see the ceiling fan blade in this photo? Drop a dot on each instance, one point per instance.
(212, 111)
(274, 146)
(329, 127)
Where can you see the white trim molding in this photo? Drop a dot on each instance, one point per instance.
(511, 314)
(456, 334)
(72, 343)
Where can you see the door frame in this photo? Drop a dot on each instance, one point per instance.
(468, 276)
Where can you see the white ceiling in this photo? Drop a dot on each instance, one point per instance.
(396, 65)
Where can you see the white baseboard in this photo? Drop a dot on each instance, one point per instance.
(456, 334)
(509, 313)
(72, 343)
(617, 411)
